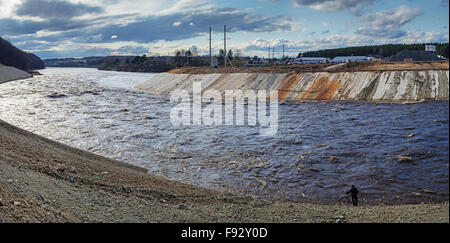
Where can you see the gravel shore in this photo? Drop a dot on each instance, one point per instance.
(45, 181)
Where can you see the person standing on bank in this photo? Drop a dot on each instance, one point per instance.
(354, 192)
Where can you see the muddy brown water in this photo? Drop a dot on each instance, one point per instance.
(320, 150)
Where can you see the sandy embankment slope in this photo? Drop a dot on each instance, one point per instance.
(391, 82)
(45, 181)
(10, 73)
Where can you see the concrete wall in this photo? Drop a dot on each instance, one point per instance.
(389, 86)
(10, 73)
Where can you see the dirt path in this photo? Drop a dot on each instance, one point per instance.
(45, 181)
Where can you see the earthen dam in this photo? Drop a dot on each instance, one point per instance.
(326, 84)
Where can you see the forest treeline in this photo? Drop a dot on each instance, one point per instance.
(379, 50)
(13, 56)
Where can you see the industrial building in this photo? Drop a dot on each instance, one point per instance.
(347, 59)
(310, 60)
(429, 54)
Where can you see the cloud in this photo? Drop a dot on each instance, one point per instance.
(260, 46)
(58, 28)
(334, 5)
(65, 23)
(55, 9)
(96, 38)
(74, 51)
(176, 24)
(13, 27)
(167, 27)
(387, 23)
(131, 50)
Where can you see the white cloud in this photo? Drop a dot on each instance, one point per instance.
(260, 46)
(176, 24)
(334, 5)
(387, 23)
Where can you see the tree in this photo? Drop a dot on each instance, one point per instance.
(221, 57)
(188, 55)
(194, 51)
(230, 55)
(238, 54)
(179, 58)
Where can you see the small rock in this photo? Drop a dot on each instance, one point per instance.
(333, 159)
(182, 207)
(56, 95)
(404, 159)
(263, 183)
(16, 203)
(339, 219)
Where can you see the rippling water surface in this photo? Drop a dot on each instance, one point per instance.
(320, 150)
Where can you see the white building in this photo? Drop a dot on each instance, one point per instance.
(310, 60)
(430, 48)
(347, 59)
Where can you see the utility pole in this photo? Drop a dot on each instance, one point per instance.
(210, 53)
(273, 52)
(283, 53)
(268, 58)
(225, 45)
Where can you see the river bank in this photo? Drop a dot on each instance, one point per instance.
(45, 181)
(10, 73)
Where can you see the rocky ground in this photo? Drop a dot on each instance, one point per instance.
(44, 181)
(344, 67)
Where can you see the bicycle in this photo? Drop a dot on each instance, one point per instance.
(347, 201)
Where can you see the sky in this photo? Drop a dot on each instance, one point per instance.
(80, 28)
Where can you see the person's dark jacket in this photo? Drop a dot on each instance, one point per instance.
(354, 191)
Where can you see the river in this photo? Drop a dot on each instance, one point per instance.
(320, 150)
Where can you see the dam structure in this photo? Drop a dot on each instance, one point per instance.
(408, 85)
